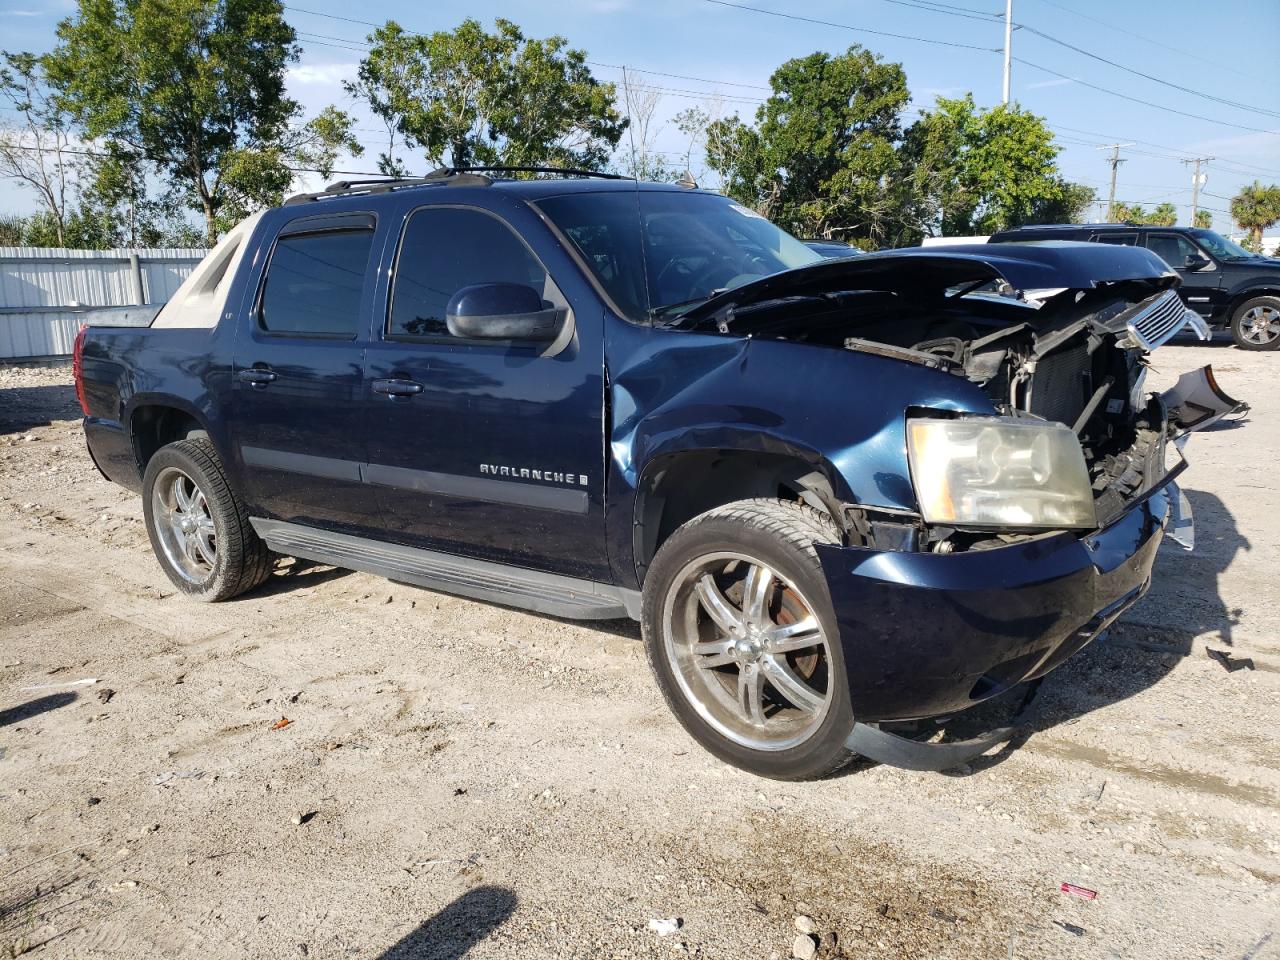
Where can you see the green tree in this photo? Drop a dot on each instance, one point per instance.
(1164, 215)
(822, 157)
(1203, 219)
(467, 97)
(984, 170)
(12, 228)
(1255, 208)
(195, 87)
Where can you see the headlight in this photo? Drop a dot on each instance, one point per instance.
(999, 472)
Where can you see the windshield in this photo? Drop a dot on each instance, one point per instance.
(691, 246)
(1220, 246)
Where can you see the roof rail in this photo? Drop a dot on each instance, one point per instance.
(452, 176)
(563, 171)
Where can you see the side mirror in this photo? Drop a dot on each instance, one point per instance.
(1195, 263)
(501, 311)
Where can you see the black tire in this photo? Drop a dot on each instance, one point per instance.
(1241, 324)
(780, 535)
(241, 560)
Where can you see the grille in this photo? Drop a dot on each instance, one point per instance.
(1061, 385)
(1158, 322)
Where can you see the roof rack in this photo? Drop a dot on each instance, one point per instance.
(451, 176)
(563, 171)
(346, 187)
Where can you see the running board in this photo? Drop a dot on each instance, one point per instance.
(533, 590)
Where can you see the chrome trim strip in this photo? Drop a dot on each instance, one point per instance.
(534, 495)
(537, 496)
(305, 463)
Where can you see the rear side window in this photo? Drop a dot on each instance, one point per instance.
(1119, 239)
(314, 284)
(445, 249)
(1172, 248)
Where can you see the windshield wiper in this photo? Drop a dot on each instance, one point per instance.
(660, 312)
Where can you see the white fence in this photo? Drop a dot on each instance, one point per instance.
(45, 292)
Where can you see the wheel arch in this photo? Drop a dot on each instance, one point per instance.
(676, 487)
(1237, 299)
(154, 421)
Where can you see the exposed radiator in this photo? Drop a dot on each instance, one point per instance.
(1061, 385)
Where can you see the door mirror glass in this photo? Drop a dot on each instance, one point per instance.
(1195, 262)
(501, 311)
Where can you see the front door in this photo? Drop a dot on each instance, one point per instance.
(487, 449)
(298, 390)
(1201, 276)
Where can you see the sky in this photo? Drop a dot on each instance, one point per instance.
(703, 51)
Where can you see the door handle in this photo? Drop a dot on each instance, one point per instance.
(397, 388)
(259, 377)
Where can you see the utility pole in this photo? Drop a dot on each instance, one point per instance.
(1008, 46)
(1115, 162)
(1195, 185)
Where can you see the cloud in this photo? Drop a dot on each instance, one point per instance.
(322, 74)
(24, 13)
(1057, 82)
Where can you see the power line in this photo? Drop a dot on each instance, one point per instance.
(1145, 39)
(949, 10)
(846, 26)
(1147, 76)
(690, 94)
(311, 38)
(1124, 96)
(1026, 63)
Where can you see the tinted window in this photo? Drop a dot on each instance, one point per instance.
(660, 252)
(1120, 239)
(448, 248)
(314, 282)
(1172, 248)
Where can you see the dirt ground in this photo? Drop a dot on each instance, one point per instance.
(460, 779)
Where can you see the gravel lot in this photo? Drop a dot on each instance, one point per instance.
(460, 779)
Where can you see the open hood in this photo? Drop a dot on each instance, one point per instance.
(923, 275)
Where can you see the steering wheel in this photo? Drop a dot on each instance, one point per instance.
(697, 284)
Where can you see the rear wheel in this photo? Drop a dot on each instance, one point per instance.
(742, 638)
(1256, 324)
(198, 527)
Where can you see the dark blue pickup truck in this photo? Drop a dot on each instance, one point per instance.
(837, 493)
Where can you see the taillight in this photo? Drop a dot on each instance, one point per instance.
(77, 369)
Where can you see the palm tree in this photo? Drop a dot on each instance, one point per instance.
(1256, 208)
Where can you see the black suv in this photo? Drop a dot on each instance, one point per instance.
(1221, 280)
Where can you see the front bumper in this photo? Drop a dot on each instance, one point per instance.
(927, 635)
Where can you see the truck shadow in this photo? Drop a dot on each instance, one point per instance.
(451, 933)
(35, 707)
(24, 408)
(1185, 604)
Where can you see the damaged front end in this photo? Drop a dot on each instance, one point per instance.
(1037, 522)
(1055, 334)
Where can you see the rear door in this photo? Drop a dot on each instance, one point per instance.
(298, 377)
(493, 450)
(1200, 283)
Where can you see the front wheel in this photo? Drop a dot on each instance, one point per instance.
(741, 636)
(1256, 324)
(198, 527)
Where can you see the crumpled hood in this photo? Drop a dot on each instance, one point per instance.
(928, 273)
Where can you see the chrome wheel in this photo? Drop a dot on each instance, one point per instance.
(747, 651)
(1260, 324)
(184, 525)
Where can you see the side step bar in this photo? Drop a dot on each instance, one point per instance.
(547, 593)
